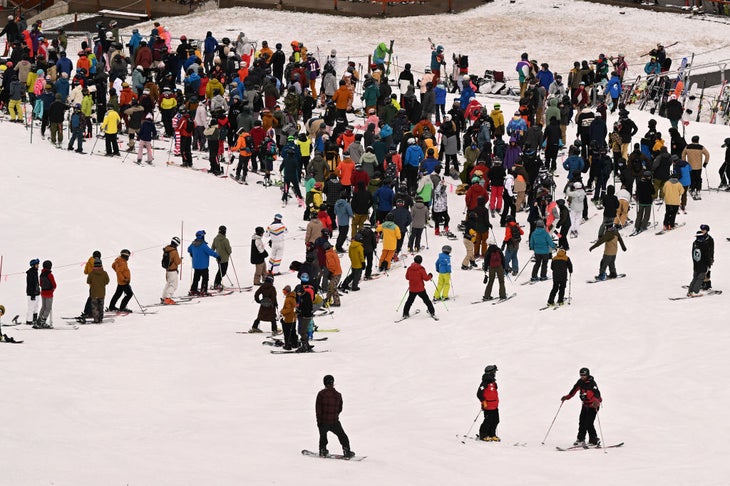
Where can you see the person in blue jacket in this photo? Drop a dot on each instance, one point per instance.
(412, 160)
(467, 93)
(440, 103)
(543, 245)
(653, 67)
(200, 253)
(134, 41)
(613, 89)
(64, 64)
(210, 46)
(682, 168)
(443, 268)
(574, 163)
(384, 198)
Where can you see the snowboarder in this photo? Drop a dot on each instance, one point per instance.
(611, 238)
(98, 279)
(48, 286)
(121, 268)
(561, 266)
(276, 232)
(265, 297)
(328, 407)
(222, 246)
(171, 257)
(417, 276)
(489, 397)
(200, 253)
(590, 395)
(32, 290)
(703, 256)
(443, 267)
(494, 265)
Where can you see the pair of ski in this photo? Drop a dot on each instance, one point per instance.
(651, 227)
(495, 301)
(417, 311)
(280, 342)
(676, 226)
(585, 447)
(533, 282)
(554, 306)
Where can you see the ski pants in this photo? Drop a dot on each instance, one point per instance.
(141, 148)
(480, 245)
(277, 253)
(259, 273)
(489, 425)
(15, 110)
(198, 275)
(34, 302)
(412, 297)
(495, 198)
(585, 424)
(698, 278)
(440, 217)
(496, 273)
(443, 286)
(608, 261)
(643, 211)
(171, 280)
(333, 296)
(414, 240)
(541, 264)
(670, 215)
(385, 257)
(357, 221)
(696, 177)
(335, 428)
(469, 245)
(511, 262)
(97, 310)
(352, 281)
(576, 218)
(368, 264)
(122, 289)
(341, 237)
(559, 289)
(222, 269)
(46, 308)
(291, 340)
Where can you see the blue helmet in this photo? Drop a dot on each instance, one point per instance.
(34, 262)
(304, 277)
(200, 234)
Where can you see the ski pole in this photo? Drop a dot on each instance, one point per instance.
(401, 301)
(523, 269)
(708, 179)
(551, 423)
(140, 305)
(235, 274)
(472, 425)
(426, 231)
(436, 287)
(600, 429)
(570, 286)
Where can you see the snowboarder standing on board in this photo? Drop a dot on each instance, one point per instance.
(417, 276)
(590, 395)
(489, 397)
(329, 407)
(611, 238)
(703, 256)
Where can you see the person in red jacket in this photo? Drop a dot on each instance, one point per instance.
(329, 407)
(489, 398)
(590, 395)
(48, 286)
(417, 276)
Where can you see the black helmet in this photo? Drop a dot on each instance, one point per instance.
(222, 229)
(490, 369)
(585, 372)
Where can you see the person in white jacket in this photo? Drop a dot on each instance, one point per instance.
(201, 123)
(576, 196)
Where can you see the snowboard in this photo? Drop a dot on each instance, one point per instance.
(307, 453)
(282, 351)
(709, 292)
(620, 275)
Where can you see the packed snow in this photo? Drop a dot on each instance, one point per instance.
(179, 398)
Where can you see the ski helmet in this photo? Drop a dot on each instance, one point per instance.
(304, 277)
(125, 253)
(490, 369)
(446, 249)
(175, 241)
(585, 372)
(222, 229)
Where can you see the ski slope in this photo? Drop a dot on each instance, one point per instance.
(179, 398)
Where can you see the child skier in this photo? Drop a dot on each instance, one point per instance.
(443, 267)
(561, 266)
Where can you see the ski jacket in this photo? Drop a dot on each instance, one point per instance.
(541, 242)
(673, 191)
(332, 262)
(201, 253)
(121, 268)
(590, 395)
(703, 253)
(222, 246)
(391, 234)
(98, 279)
(32, 287)
(258, 250)
(417, 276)
(561, 266)
(611, 238)
(696, 155)
(277, 232)
(574, 165)
(175, 259)
(343, 212)
(488, 395)
(328, 406)
(419, 215)
(47, 293)
(356, 254)
(443, 263)
(384, 197)
(265, 296)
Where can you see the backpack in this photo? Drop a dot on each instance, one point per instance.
(463, 61)
(515, 236)
(495, 260)
(165, 259)
(45, 282)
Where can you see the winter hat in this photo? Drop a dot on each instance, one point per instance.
(727, 143)
(418, 259)
(200, 234)
(584, 372)
(175, 241)
(125, 253)
(222, 229)
(47, 265)
(34, 262)
(704, 227)
(490, 369)
(367, 224)
(540, 223)
(328, 380)
(577, 185)
(259, 230)
(695, 139)
(97, 262)
(446, 249)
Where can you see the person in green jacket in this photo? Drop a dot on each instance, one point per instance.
(222, 246)
(370, 94)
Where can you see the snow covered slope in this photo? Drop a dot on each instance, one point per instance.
(179, 398)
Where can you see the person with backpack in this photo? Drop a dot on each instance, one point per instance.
(98, 279)
(305, 311)
(200, 252)
(489, 397)
(32, 290)
(78, 123)
(511, 245)
(561, 266)
(171, 260)
(258, 255)
(48, 286)
(244, 146)
(543, 245)
(124, 277)
(289, 319)
(493, 267)
(265, 297)
(222, 246)
(267, 154)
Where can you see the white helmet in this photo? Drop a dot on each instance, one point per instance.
(411, 141)
(427, 70)
(109, 35)
(466, 77)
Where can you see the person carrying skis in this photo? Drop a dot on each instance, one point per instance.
(489, 397)
(32, 290)
(200, 253)
(124, 277)
(703, 256)
(611, 238)
(265, 297)
(590, 395)
(171, 261)
(443, 268)
(222, 246)
(98, 279)
(328, 407)
(494, 265)
(417, 276)
(561, 266)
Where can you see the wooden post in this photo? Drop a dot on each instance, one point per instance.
(335, 4)
(385, 4)
(148, 8)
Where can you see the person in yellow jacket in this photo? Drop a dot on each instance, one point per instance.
(391, 234)
(289, 319)
(213, 84)
(672, 191)
(356, 252)
(305, 150)
(124, 277)
(244, 145)
(110, 125)
(87, 270)
(498, 119)
(332, 262)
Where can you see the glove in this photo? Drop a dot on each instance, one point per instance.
(32, 297)
(704, 165)
(430, 275)
(596, 404)
(486, 278)
(564, 397)
(218, 259)
(270, 243)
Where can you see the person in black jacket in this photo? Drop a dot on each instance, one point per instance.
(725, 167)
(32, 290)
(674, 110)
(590, 395)
(56, 115)
(369, 243)
(563, 225)
(703, 256)
(610, 204)
(258, 255)
(305, 311)
(561, 266)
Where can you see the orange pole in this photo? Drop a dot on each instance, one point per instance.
(385, 4)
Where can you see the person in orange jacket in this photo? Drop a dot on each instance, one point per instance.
(417, 276)
(124, 277)
(342, 99)
(489, 398)
(332, 262)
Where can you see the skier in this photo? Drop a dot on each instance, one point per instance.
(443, 268)
(48, 286)
(222, 246)
(98, 279)
(644, 201)
(494, 263)
(277, 235)
(672, 191)
(289, 319)
(334, 270)
(32, 290)
(489, 397)
(305, 311)
(265, 296)
(258, 255)
(124, 277)
(543, 245)
(725, 167)
(590, 395)
(511, 243)
(171, 261)
(328, 407)
(698, 157)
(703, 256)
(417, 276)
(200, 253)
(356, 253)
(611, 238)
(391, 235)
(561, 266)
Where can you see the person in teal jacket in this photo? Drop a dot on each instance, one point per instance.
(543, 245)
(370, 94)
